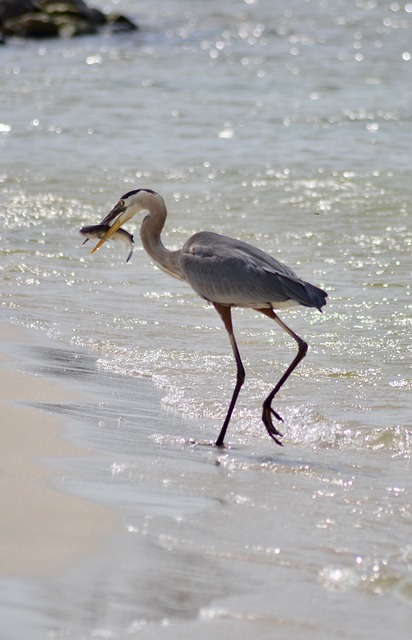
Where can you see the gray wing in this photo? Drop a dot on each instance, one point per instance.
(228, 271)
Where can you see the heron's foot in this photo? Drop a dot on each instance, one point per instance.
(267, 414)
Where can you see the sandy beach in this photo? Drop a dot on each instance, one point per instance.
(42, 528)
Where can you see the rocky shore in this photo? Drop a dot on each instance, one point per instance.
(51, 19)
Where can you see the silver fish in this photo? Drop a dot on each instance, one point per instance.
(99, 231)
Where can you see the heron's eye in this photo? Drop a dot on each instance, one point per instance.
(121, 203)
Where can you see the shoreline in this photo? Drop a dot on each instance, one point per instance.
(42, 528)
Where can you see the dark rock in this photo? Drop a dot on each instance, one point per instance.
(77, 6)
(57, 8)
(68, 7)
(13, 8)
(120, 23)
(97, 17)
(51, 18)
(30, 25)
(75, 27)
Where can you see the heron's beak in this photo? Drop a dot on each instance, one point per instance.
(115, 226)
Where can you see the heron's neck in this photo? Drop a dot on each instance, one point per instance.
(165, 259)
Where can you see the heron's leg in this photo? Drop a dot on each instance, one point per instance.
(226, 315)
(267, 408)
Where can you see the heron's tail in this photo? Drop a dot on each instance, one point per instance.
(304, 293)
(317, 296)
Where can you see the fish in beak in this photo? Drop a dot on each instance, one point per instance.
(99, 231)
(119, 215)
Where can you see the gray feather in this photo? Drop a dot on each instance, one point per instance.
(228, 271)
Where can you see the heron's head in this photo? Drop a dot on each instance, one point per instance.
(126, 208)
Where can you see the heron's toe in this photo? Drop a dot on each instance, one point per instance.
(267, 413)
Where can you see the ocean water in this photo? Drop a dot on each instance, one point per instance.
(287, 125)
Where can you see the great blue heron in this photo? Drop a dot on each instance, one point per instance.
(227, 273)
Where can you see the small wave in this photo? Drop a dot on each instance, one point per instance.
(378, 575)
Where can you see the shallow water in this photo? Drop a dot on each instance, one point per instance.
(288, 127)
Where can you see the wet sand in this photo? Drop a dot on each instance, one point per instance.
(42, 529)
(115, 523)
